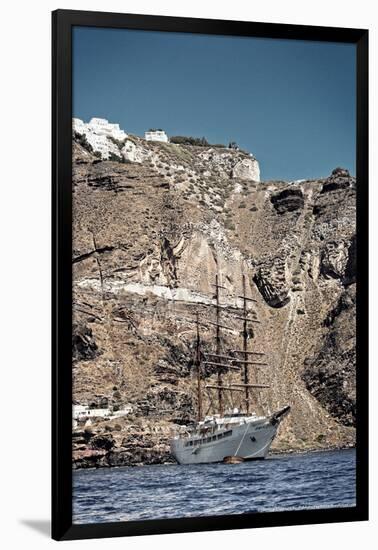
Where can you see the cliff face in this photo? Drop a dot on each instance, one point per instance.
(150, 234)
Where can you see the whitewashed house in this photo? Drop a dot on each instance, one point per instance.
(82, 412)
(79, 411)
(103, 127)
(104, 136)
(127, 409)
(156, 135)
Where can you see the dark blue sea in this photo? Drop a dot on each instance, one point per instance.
(283, 482)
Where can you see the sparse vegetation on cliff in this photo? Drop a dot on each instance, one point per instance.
(189, 140)
(82, 140)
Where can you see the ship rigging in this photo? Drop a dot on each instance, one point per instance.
(238, 433)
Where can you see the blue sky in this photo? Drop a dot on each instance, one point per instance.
(291, 103)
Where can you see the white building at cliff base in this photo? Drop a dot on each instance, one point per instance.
(83, 412)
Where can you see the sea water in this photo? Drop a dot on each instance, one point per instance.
(281, 482)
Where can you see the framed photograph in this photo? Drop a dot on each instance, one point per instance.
(210, 188)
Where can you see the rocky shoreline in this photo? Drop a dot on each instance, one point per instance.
(102, 459)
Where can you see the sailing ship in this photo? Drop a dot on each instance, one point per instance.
(235, 434)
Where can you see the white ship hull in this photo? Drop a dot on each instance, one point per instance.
(249, 439)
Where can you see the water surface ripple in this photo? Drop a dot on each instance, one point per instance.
(285, 482)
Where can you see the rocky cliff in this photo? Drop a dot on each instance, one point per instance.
(150, 234)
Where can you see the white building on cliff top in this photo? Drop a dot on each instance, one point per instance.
(104, 137)
(156, 135)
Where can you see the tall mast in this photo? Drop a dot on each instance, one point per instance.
(245, 345)
(198, 365)
(224, 360)
(218, 348)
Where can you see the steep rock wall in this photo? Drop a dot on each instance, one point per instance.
(145, 255)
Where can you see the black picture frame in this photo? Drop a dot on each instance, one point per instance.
(62, 23)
